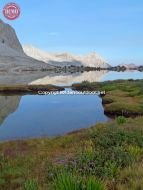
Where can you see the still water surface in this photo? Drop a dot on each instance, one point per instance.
(36, 116)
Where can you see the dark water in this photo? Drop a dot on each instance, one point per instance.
(36, 116)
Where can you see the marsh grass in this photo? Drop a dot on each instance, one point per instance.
(66, 180)
(121, 120)
(109, 154)
(30, 185)
(122, 98)
(131, 178)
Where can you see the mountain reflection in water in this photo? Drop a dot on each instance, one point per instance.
(47, 77)
(91, 76)
(68, 79)
(8, 105)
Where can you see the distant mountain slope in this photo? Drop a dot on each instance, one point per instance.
(129, 66)
(65, 59)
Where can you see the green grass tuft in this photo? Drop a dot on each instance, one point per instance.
(30, 185)
(121, 120)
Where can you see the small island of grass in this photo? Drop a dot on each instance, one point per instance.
(123, 97)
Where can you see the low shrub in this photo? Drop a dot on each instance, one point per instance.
(112, 149)
(121, 120)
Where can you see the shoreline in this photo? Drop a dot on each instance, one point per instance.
(27, 89)
(122, 97)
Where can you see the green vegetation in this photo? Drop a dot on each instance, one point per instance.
(121, 120)
(123, 97)
(66, 180)
(30, 185)
(107, 156)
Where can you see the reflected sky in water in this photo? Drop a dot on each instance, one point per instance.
(51, 116)
(122, 75)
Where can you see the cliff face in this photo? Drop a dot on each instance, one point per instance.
(9, 42)
(10, 48)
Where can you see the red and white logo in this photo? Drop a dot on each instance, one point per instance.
(11, 11)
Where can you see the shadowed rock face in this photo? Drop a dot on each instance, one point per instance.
(8, 105)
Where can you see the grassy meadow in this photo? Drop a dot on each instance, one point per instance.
(105, 156)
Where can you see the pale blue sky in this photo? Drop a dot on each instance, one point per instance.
(112, 28)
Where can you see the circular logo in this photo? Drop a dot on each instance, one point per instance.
(11, 11)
